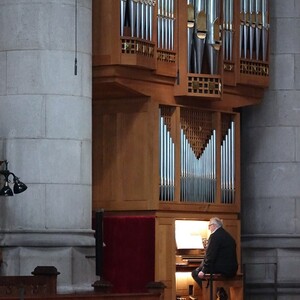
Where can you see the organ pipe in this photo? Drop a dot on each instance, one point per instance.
(167, 164)
(198, 174)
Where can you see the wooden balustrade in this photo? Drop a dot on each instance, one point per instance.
(43, 284)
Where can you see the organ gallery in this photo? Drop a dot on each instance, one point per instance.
(169, 80)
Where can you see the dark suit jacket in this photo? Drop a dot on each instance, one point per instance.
(220, 254)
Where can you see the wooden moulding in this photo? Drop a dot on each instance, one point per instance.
(166, 63)
(142, 54)
(121, 81)
(202, 86)
(229, 73)
(255, 73)
(137, 52)
(199, 207)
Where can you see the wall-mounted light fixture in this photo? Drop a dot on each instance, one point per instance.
(19, 186)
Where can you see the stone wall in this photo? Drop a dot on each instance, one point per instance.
(271, 163)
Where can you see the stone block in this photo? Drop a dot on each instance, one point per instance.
(282, 73)
(263, 216)
(68, 206)
(22, 116)
(68, 117)
(268, 180)
(268, 144)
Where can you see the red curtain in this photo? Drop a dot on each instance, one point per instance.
(129, 252)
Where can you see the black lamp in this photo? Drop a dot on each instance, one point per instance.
(19, 186)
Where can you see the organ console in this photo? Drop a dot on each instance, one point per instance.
(191, 238)
(169, 80)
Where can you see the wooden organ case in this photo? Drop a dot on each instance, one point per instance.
(169, 78)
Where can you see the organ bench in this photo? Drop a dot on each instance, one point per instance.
(233, 286)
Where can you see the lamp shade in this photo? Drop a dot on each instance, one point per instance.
(19, 186)
(6, 190)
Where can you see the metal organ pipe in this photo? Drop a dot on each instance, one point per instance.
(172, 169)
(242, 24)
(167, 165)
(258, 27)
(142, 7)
(170, 25)
(133, 14)
(227, 29)
(151, 7)
(159, 25)
(246, 26)
(182, 167)
(226, 169)
(122, 16)
(147, 19)
(138, 16)
(190, 34)
(127, 14)
(213, 17)
(265, 28)
(198, 174)
(161, 157)
(214, 165)
(199, 33)
(166, 15)
(172, 21)
(254, 29)
(165, 24)
(227, 166)
(231, 7)
(232, 163)
(251, 27)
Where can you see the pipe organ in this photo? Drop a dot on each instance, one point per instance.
(169, 80)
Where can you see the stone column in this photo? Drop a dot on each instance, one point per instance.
(271, 159)
(45, 134)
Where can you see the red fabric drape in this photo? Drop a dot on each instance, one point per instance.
(129, 252)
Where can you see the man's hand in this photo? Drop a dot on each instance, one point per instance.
(200, 274)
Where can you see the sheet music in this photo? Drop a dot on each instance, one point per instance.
(189, 234)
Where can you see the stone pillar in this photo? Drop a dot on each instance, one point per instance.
(271, 159)
(45, 134)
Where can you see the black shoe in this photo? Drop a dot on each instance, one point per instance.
(221, 294)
